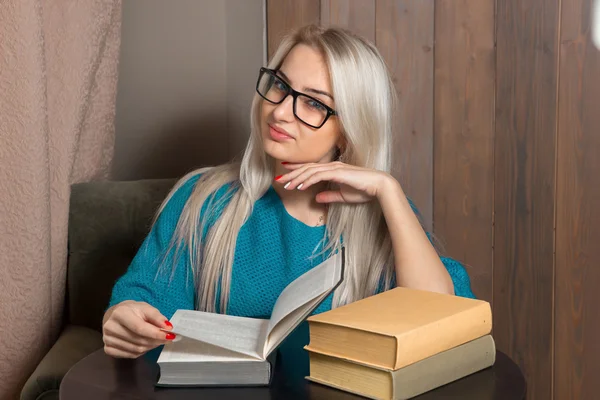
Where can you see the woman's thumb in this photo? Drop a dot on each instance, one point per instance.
(153, 316)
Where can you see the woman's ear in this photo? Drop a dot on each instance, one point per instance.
(341, 144)
(339, 152)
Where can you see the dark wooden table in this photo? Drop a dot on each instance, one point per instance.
(99, 376)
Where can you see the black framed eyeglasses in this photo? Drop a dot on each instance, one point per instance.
(307, 109)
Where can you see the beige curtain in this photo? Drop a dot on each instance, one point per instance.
(58, 75)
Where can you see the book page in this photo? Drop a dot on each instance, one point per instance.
(189, 350)
(237, 334)
(300, 297)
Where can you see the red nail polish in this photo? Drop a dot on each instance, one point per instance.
(167, 323)
(278, 177)
(170, 336)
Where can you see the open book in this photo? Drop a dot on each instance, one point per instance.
(223, 350)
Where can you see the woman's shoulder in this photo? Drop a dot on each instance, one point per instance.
(198, 182)
(192, 184)
(181, 192)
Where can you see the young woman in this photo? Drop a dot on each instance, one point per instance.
(314, 175)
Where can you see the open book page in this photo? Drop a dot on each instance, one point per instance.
(237, 334)
(189, 350)
(300, 297)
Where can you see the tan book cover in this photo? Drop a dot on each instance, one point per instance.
(399, 327)
(407, 382)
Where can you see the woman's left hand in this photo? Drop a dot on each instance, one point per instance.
(356, 184)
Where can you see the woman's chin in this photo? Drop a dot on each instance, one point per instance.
(274, 150)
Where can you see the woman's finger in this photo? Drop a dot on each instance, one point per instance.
(333, 175)
(285, 178)
(128, 347)
(330, 196)
(152, 315)
(111, 351)
(121, 332)
(299, 182)
(138, 325)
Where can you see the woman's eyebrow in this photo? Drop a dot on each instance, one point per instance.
(311, 90)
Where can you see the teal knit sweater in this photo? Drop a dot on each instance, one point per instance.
(273, 249)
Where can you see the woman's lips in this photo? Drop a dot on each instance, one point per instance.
(278, 135)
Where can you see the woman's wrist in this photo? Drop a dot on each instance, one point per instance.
(391, 197)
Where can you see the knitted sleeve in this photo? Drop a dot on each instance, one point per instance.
(164, 288)
(457, 271)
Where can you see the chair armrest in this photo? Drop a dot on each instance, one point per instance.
(74, 343)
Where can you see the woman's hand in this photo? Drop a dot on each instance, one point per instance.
(131, 328)
(356, 184)
(416, 262)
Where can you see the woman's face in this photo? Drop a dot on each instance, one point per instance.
(286, 138)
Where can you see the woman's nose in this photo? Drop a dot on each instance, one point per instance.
(285, 110)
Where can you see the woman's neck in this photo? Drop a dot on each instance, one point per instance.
(301, 204)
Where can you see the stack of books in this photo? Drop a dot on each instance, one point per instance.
(400, 343)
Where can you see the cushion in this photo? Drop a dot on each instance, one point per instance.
(108, 221)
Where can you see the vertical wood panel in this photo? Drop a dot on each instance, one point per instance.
(463, 135)
(484, 151)
(524, 148)
(404, 35)
(356, 15)
(577, 326)
(286, 15)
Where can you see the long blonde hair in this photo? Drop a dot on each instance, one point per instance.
(364, 98)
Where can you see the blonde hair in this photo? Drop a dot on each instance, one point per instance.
(364, 98)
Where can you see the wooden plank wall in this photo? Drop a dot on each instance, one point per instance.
(404, 36)
(464, 135)
(526, 70)
(498, 143)
(577, 293)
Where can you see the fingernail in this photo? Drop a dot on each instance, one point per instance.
(167, 323)
(170, 336)
(278, 177)
(286, 185)
(300, 186)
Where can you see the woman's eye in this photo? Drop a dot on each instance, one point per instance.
(279, 85)
(315, 105)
